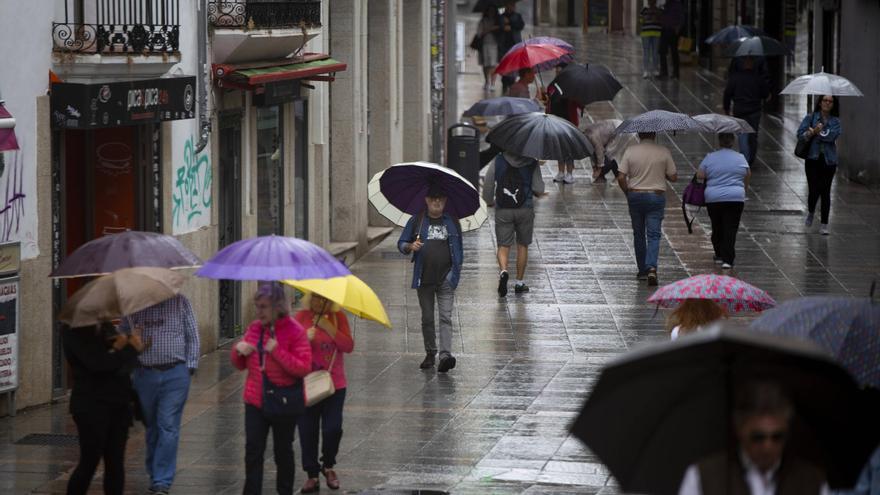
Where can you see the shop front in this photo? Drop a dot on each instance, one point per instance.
(107, 164)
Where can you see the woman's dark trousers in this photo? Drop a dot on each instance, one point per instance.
(256, 428)
(819, 178)
(326, 416)
(102, 434)
(725, 216)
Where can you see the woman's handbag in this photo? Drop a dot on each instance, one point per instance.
(477, 42)
(694, 195)
(279, 400)
(318, 385)
(802, 148)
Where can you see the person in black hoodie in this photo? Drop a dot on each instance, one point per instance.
(747, 87)
(101, 401)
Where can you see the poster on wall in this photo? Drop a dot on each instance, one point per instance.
(191, 180)
(8, 334)
(597, 13)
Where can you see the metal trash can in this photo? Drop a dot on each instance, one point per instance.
(463, 152)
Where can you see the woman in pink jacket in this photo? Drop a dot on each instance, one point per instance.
(287, 358)
(330, 337)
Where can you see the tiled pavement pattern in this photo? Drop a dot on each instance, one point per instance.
(497, 423)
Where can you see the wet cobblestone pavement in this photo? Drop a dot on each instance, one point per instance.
(498, 422)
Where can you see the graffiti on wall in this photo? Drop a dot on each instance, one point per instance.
(11, 194)
(191, 190)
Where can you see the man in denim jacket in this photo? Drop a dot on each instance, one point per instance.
(434, 239)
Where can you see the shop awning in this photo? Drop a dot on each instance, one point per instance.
(312, 66)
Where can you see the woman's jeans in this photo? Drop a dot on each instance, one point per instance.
(819, 178)
(326, 416)
(725, 217)
(748, 143)
(646, 212)
(102, 434)
(256, 430)
(650, 58)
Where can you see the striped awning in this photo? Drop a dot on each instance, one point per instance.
(312, 66)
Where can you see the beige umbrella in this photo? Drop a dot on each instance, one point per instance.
(120, 293)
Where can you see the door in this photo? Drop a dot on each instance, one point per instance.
(270, 176)
(230, 217)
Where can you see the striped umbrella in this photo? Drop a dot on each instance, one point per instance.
(736, 295)
(660, 121)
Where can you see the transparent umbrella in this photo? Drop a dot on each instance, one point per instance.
(822, 83)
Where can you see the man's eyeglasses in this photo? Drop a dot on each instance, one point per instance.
(762, 436)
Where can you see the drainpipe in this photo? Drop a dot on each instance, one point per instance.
(202, 76)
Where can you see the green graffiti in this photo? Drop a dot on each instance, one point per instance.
(191, 196)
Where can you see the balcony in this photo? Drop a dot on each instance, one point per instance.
(258, 14)
(118, 27)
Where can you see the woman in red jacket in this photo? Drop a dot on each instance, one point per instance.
(330, 337)
(287, 358)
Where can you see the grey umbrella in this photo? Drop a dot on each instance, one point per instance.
(503, 105)
(718, 123)
(540, 136)
(660, 121)
(822, 83)
(756, 46)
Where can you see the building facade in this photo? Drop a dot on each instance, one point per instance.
(208, 120)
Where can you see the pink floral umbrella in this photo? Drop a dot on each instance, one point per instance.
(736, 295)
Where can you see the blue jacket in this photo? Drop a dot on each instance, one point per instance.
(825, 141)
(456, 250)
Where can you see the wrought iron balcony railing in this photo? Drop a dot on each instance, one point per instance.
(259, 14)
(118, 27)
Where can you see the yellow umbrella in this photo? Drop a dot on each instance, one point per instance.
(120, 293)
(350, 292)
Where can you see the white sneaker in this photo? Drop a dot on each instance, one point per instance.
(559, 177)
(823, 229)
(726, 266)
(568, 179)
(645, 75)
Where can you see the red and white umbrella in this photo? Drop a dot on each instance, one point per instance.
(7, 135)
(736, 295)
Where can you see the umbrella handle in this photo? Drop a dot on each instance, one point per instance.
(873, 287)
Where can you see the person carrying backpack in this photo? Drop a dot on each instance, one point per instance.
(516, 181)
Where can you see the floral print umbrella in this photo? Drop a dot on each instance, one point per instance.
(736, 295)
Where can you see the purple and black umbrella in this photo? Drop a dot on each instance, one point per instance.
(272, 257)
(126, 250)
(399, 191)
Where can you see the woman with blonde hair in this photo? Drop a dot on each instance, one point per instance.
(693, 314)
(330, 338)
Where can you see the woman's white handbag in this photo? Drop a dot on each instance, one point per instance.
(318, 385)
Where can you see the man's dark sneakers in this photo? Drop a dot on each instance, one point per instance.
(428, 362)
(502, 284)
(447, 362)
(520, 288)
(642, 276)
(652, 277)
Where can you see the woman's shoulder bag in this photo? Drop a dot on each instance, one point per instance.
(802, 148)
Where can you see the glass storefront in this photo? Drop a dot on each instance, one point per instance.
(270, 172)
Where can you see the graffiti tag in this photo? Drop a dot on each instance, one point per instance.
(191, 196)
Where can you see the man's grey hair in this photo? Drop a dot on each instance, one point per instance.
(761, 398)
(274, 292)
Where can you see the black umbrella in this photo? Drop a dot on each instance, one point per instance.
(660, 121)
(502, 105)
(540, 136)
(655, 411)
(482, 5)
(733, 33)
(755, 46)
(587, 83)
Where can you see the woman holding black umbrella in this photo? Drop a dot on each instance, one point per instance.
(821, 129)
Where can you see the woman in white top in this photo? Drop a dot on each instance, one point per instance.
(691, 315)
(488, 30)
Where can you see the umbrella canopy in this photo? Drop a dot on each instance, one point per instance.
(756, 46)
(7, 135)
(120, 293)
(540, 136)
(545, 40)
(822, 83)
(587, 83)
(656, 410)
(718, 123)
(399, 191)
(124, 250)
(272, 257)
(732, 33)
(502, 105)
(660, 121)
(541, 57)
(349, 292)
(846, 326)
(736, 295)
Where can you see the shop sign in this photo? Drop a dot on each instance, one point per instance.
(10, 258)
(8, 334)
(91, 106)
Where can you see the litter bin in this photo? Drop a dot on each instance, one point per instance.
(463, 152)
